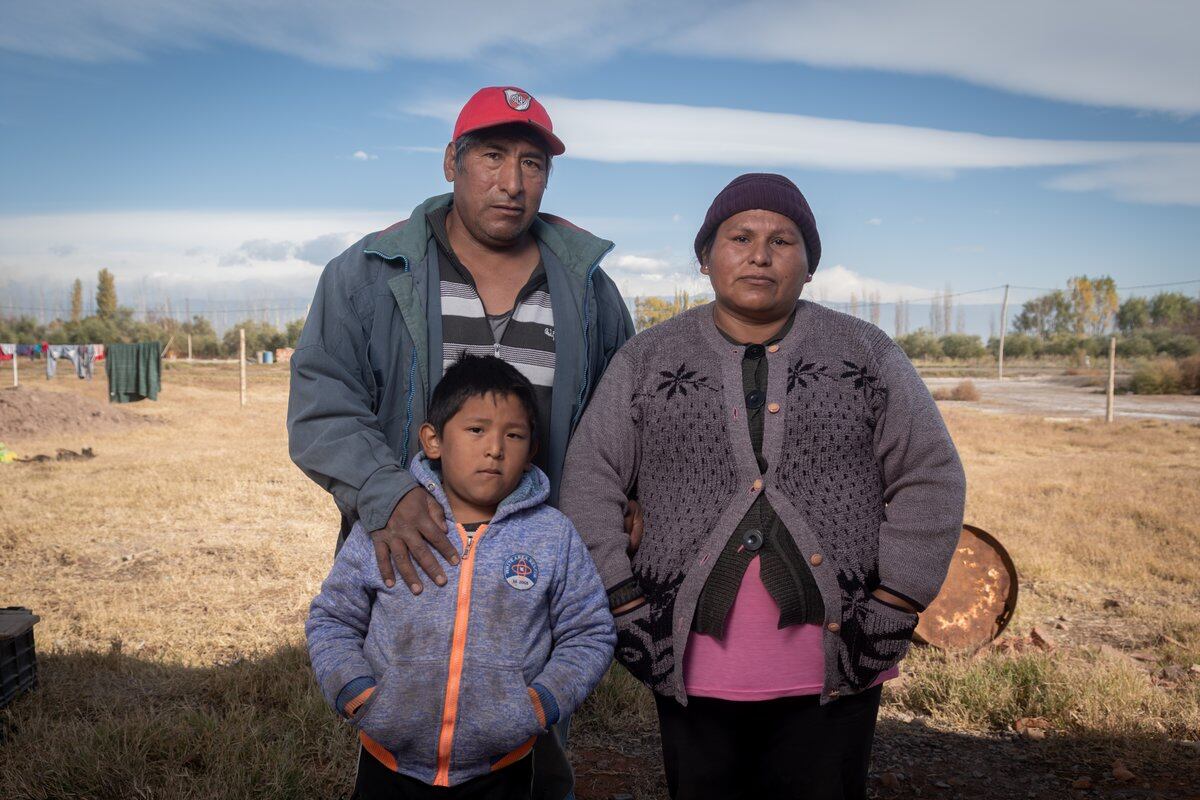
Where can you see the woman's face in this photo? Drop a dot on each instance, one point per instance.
(757, 265)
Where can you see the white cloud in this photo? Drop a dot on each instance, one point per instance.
(1143, 172)
(1140, 55)
(836, 283)
(364, 34)
(1101, 52)
(203, 247)
(363, 155)
(875, 221)
(629, 263)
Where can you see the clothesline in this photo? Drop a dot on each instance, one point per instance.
(83, 357)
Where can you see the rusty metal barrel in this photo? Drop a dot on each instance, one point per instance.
(978, 598)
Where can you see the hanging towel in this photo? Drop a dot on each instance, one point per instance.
(134, 371)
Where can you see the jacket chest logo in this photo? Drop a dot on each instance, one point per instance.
(520, 571)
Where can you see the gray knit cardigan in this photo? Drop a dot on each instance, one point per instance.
(861, 470)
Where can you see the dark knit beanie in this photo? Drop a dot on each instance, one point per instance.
(769, 192)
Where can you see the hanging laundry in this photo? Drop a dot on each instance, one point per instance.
(7, 351)
(87, 357)
(134, 372)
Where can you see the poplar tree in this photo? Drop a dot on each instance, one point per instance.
(106, 295)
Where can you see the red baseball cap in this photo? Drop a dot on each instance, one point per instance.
(501, 105)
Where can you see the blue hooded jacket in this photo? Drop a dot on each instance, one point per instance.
(448, 673)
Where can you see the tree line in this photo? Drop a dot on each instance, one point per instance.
(114, 323)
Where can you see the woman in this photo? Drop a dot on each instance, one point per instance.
(802, 500)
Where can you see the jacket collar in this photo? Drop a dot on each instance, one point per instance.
(533, 489)
(408, 241)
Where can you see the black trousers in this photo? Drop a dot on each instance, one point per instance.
(377, 782)
(789, 748)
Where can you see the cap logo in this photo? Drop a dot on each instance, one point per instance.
(517, 100)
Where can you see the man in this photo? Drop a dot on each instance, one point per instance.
(479, 271)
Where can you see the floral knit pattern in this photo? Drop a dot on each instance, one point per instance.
(662, 424)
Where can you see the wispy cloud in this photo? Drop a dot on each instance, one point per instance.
(363, 155)
(1142, 172)
(203, 246)
(1103, 52)
(837, 283)
(875, 221)
(314, 251)
(1098, 52)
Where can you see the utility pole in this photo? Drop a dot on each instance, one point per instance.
(1003, 328)
(1112, 379)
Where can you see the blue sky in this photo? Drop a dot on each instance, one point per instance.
(220, 149)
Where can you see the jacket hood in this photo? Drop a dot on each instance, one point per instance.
(532, 490)
(409, 240)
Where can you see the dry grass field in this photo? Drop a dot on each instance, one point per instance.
(173, 571)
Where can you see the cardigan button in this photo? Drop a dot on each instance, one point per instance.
(833, 627)
(755, 399)
(773, 348)
(753, 352)
(757, 485)
(816, 559)
(834, 693)
(773, 408)
(752, 540)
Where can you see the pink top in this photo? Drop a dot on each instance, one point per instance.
(756, 660)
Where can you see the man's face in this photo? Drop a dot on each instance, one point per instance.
(498, 191)
(757, 265)
(484, 449)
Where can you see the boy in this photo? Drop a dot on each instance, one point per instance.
(450, 687)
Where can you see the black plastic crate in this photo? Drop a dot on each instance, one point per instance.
(18, 659)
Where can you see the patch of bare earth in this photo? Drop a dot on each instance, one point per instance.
(27, 413)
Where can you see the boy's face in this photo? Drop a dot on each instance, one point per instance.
(484, 449)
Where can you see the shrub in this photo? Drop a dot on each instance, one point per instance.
(1135, 347)
(963, 390)
(1158, 377)
(1175, 345)
(259, 336)
(1065, 344)
(920, 344)
(1189, 369)
(1016, 345)
(960, 345)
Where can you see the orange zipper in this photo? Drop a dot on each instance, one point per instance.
(458, 646)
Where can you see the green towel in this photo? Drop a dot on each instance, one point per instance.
(133, 370)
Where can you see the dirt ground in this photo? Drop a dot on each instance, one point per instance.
(1066, 398)
(173, 573)
(26, 412)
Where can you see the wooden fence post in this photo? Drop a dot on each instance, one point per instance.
(1112, 378)
(16, 380)
(242, 361)
(189, 348)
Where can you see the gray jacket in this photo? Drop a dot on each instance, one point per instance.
(370, 355)
(860, 469)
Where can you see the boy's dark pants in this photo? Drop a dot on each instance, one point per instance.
(786, 748)
(377, 782)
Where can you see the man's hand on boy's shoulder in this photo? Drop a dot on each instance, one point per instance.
(417, 522)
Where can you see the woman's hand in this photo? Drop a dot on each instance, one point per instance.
(883, 595)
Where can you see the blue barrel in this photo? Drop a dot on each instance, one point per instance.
(268, 357)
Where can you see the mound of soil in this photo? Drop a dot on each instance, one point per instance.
(27, 412)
